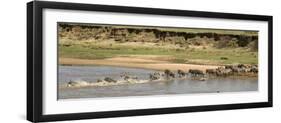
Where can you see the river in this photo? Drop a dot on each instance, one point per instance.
(186, 86)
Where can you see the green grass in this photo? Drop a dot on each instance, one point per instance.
(196, 56)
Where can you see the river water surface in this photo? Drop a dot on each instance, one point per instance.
(187, 86)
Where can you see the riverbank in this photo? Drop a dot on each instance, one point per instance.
(136, 63)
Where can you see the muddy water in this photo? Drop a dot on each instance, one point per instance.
(93, 73)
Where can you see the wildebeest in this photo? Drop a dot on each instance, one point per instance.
(229, 66)
(236, 69)
(126, 76)
(181, 73)
(211, 71)
(99, 80)
(241, 66)
(254, 69)
(169, 73)
(108, 79)
(72, 83)
(195, 72)
(224, 72)
(155, 76)
(247, 70)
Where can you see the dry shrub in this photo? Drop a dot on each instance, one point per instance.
(253, 45)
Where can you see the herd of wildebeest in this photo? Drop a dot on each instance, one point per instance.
(222, 71)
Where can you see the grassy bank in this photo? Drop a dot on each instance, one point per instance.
(193, 55)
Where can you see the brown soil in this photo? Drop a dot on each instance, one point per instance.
(135, 63)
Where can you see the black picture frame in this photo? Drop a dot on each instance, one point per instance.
(35, 69)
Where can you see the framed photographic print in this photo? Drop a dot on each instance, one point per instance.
(95, 61)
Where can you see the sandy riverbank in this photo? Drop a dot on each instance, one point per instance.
(135, 63)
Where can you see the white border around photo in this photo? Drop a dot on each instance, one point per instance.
(52, 106)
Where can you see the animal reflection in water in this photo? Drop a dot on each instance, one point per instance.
(196, 74)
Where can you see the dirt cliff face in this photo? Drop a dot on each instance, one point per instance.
(156, 35)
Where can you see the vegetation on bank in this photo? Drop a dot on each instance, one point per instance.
(192, 55)
(176, 45)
